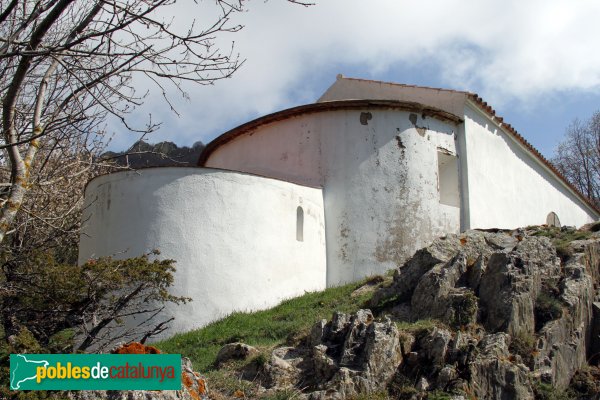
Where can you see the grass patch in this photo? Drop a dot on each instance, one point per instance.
(419, 327)
(439, 395)
(544, 391)
(562, 238)
(286, 322)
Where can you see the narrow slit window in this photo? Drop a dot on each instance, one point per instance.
(299, 224)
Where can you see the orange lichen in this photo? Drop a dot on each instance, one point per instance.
(196, 393)
(463, 241)
(238, 394)
(136, 348)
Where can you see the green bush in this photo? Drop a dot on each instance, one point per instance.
(547, 308)
(465, 309)
(524, 345)
(47, 306)
(586, 382)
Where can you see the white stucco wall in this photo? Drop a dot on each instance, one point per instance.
(350, 88)
(233, 235)
(380, 180)
(509, 188)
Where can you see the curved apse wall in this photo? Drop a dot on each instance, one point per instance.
(234, 236)
(386, 174)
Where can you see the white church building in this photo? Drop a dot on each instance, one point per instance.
(326, 193)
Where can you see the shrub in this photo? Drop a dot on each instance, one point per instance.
(586, 382)
(51, 306)
(465, 308)
(524, 345)
(547, 308)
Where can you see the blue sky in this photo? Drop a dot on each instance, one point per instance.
(536, 61)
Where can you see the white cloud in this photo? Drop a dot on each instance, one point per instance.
(502, 49)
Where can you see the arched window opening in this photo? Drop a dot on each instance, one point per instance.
(552, 220)
(299, 224)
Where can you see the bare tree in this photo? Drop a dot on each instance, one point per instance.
(578, 156)
(66, 65)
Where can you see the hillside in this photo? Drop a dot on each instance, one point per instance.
(480, 315)
(143, 154)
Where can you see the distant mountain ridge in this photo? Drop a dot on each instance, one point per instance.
(163, 154)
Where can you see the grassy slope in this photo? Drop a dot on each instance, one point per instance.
(286, 322)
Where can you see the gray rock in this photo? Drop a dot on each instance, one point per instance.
(595, 335)
(435, 346)
(317, 333)
(422, 385)
(235, 351)
(446, 376)
(493, 376)
(563, 344)
(193, 388)
(284, 368)
(492, 278)
(512, 282)
(430, 297)
(356, 355)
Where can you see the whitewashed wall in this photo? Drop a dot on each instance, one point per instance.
(380, 180)
(233, 235)
(507, 187)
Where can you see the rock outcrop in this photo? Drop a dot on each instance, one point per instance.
(193, 385)
(485, 314)
(510, 314)
(348, 355)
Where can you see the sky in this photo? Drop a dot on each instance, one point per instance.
(536, 61)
